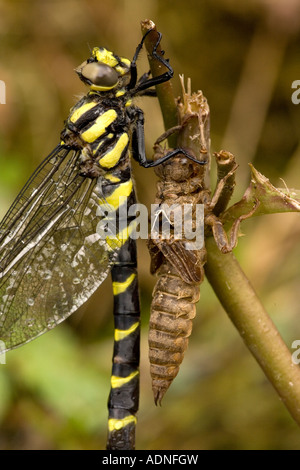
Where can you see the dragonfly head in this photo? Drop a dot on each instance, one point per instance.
(104, 71)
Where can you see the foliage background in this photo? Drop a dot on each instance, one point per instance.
(244, 56)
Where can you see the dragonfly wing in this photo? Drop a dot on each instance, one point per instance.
(51, 256)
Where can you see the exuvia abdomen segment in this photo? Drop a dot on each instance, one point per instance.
(172, 310)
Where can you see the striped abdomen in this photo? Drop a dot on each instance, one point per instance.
(124, 394)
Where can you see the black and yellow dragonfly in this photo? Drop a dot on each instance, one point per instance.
(53, 254)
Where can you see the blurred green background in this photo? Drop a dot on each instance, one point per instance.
(244, 56)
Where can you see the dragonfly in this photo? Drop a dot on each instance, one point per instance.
(58, 241)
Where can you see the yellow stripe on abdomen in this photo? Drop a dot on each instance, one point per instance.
(120, 287)
(116, 424)
(121, 334)
(100, 125)
(123, 190)
(117, 241)
(120, 381)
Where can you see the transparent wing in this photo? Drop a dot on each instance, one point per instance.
(51, 256)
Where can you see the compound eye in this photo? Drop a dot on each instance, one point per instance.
(100, 74)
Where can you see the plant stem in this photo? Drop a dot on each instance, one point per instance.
(254, 325)
(164, 91)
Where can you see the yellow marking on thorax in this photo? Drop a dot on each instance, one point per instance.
(115, 424)
(120, 334)
(100, 125)
(120, 381)
(120, 93)
(96, 150)
(111, 158)
(112, 178)
(120, 287)
(80, 111)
